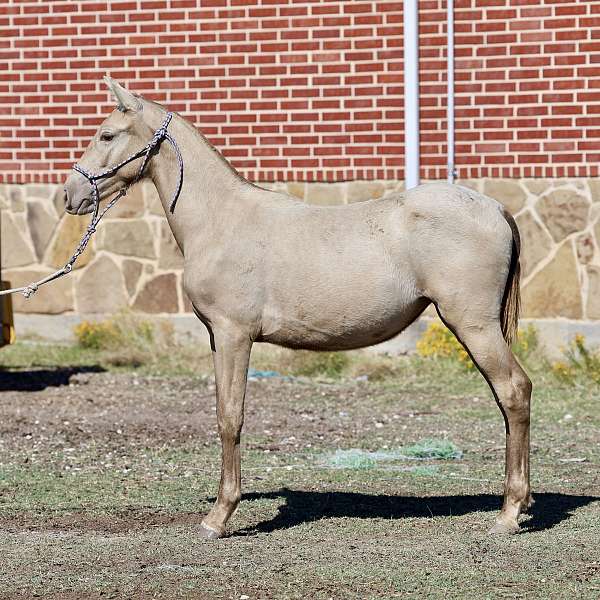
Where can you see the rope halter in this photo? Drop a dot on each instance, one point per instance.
(146, 152)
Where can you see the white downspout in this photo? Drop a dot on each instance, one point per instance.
(411, 94)
(450, 94)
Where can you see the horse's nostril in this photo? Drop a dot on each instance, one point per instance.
(68, 204)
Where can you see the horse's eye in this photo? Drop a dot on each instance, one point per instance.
(107, 136)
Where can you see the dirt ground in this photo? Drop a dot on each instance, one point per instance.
(104, 478)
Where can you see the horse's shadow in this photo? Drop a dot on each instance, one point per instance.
(300, 507)
(36, 380)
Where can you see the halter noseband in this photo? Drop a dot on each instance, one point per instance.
(159, 135)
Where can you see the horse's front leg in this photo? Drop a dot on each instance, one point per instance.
(231, 354)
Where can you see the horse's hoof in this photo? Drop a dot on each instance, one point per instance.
(209, 533)
(504, 528)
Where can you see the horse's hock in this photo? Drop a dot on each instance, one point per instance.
(134, 261)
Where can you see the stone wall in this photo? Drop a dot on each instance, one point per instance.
(133, 260)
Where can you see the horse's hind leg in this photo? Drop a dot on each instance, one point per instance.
(512, 390)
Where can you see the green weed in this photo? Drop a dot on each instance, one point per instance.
(580, 363)
(433, 449)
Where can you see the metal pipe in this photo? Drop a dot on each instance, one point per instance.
(450, 93)
(411, 93)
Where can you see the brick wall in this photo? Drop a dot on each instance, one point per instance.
(527, 88)
(307, 90)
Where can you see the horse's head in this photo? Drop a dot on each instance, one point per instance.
(122, 134)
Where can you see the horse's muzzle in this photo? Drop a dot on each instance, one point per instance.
(78, 200)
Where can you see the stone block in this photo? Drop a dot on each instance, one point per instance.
(59, 199)
(473, 184)
(159, 295)
(536, 244)
(187, 303)
(325, 194)
(132, 269)
(594, 185)
(152, 199)
(538, 186)
(53, 298)
(597, 231)
(585, 247)
(16, 252)
(555, 290)
(129, 206)
(506, 191)
(274, 186)
(4, 197)
(17, 198)
(68, 235)
(41, 224)
(593, 296)
(358, 191)
(101, 288)
(296, 189)
(41, 191)
(128, 237)
(564, 211)
(170, 256)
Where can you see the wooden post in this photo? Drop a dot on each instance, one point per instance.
(6, 312)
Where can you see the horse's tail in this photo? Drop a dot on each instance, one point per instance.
(511, 302)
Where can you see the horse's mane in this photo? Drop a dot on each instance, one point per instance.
(200, 137)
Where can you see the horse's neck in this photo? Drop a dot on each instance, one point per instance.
(211, 189)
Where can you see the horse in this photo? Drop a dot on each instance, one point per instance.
(262, 266)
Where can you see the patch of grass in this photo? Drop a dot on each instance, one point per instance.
(127, 339)
(330, 365)
(580, 363)
(31, 354)
(356, 458)
(312, 364)
(376, 367)
(434, 449)
(96, 335)
(424, 471)
(300, 363)
(438, 342)
(353, 459)
(527, 345)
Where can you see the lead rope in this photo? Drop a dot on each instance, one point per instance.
(159, 135)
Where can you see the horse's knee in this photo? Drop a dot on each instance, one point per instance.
(230, 431)
(516, 399)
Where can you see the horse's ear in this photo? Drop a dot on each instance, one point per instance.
(126, 101)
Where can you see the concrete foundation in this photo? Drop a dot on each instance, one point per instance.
(554, 334)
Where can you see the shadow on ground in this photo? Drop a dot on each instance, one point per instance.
(549, 510)
(304, 507)
(36, 380)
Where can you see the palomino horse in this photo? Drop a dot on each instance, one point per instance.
(260, 266)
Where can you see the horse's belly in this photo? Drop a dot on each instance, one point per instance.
(341, 329)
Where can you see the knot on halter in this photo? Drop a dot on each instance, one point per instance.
(30, 290)
(146, 152)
